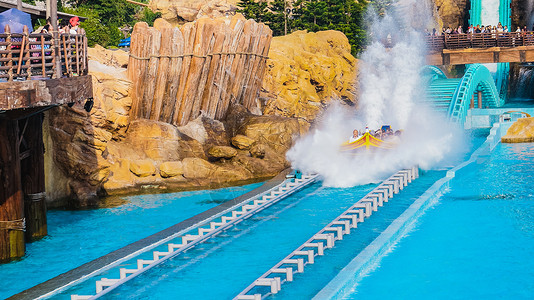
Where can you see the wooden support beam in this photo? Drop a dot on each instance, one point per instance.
(33, 179)
(11, 201)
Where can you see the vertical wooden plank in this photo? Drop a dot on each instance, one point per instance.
(215, 88)
(149, 80)
(188, 32)
(43, 60)
(236, 38)
(204, 32)
(202, 88)
(236, 70)
(27, 55)
(173, 79)
(137, 64)
(251, 66)
(163, 67)
(262, 64)
(258, 69)
(11, 203)
(219, 40)
(241, 75)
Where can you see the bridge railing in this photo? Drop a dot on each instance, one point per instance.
(480, 40)
(32, 56)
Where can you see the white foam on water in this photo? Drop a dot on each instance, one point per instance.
(391, 93)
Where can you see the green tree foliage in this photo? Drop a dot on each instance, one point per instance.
(277, 17)
(251, 9)
(312, 15)
(104, 17)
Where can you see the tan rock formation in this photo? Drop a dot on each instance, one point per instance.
(114, 58)
(222, 152)
(305, 71)
(257, 150)
(142, 168)
(275, 132)
(177, 12)
(195, 168)
(242, 142)
(171, 169)
(452, 12)
(522, 131)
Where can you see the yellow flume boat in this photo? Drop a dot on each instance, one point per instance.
(367, 141)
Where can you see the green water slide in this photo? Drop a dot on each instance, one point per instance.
(452, 96)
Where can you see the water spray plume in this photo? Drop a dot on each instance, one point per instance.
(391, 93)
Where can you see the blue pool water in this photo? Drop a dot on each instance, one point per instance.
(477, 243)
(77, 237)
(230, 262)
(226, 264)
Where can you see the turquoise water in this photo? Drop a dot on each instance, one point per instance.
(226, 264)
(231, 261)
(77, 237)
(477, 243)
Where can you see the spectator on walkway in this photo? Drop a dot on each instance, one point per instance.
(74, 22)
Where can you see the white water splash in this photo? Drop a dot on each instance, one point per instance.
(392, 94)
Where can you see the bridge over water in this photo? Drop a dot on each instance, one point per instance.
(469, 48)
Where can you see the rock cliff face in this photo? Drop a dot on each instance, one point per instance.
(305, 71)
(453, 12)
(522, 131)
(178, 12)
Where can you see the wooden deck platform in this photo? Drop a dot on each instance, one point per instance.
(41, 93)
(459, 49)
(520, 54)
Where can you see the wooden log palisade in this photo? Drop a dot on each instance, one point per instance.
(205, 65)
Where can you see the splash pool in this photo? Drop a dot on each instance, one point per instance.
(77, 237)
(222, 267)
(477, 243)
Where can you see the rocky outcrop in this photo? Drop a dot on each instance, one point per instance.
(305, 71)
(105, 151)
(178, 12)
(452, 13)
(114, 58)
(522, 131)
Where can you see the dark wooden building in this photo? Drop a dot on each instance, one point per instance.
(37, 72)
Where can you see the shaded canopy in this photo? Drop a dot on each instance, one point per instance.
(16, 20)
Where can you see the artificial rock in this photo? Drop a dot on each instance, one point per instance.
(522, 131)
(306, 71)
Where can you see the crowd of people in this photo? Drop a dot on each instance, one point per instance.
(475, 29)
(64, 26)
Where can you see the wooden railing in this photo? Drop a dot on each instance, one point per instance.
(32, 56)
(480, 40)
